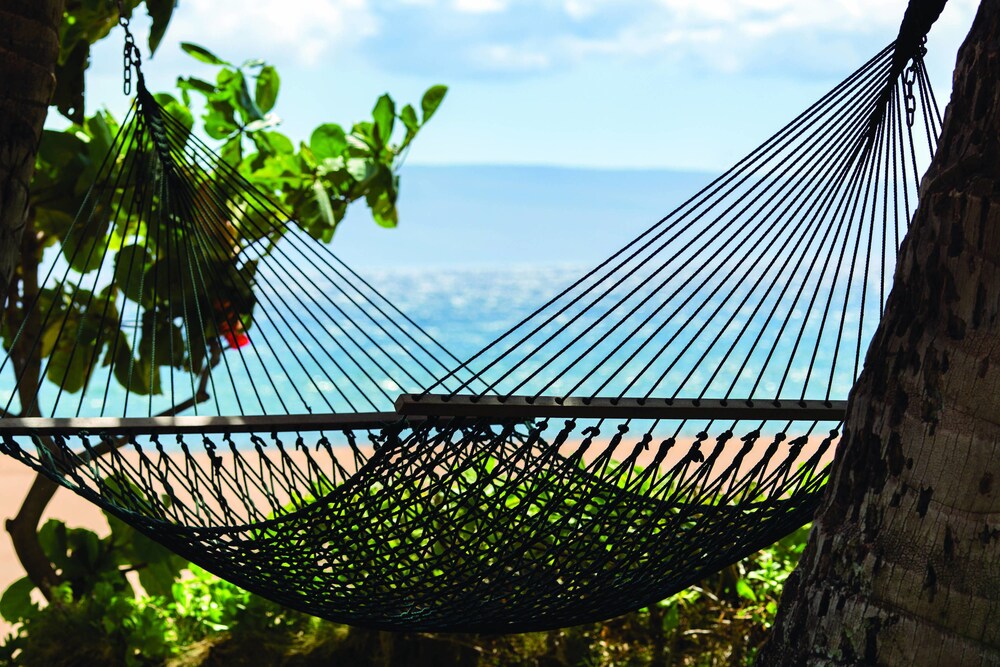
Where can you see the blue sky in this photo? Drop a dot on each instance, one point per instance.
(690, 84)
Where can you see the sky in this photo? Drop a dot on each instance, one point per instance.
(620, 84)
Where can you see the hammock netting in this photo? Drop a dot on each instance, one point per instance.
(218, 379)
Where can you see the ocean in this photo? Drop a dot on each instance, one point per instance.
(477, 250)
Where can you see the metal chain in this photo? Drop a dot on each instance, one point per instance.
(131, 58)
(909, 78)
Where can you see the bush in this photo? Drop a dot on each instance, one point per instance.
(181, 616)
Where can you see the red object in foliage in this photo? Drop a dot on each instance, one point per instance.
(230, 327)
(236, 339)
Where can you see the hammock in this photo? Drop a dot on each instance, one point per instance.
(226, 385)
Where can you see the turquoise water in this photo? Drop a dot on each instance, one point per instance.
(478, 250)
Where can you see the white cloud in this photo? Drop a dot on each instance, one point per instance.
(490, 37)
(500, 57)
(582, 9)
(740, 34)
(516, 37)
(480, 6)
(309, 30)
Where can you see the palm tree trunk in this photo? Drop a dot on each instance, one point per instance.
(903, 564)
(29, 46)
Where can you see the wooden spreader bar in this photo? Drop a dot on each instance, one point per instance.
(441, 405)
(192, 424)
(412, 410)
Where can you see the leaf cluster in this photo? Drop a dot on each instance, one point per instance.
(315, 182)
(201, 620)
(97, 594)
(84, 23)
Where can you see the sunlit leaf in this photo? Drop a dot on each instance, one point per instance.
(432, 100)
(202, 54)
(323, 201)
(266, 92)
(744, 590)
(384, 115)
(409, 117)
(327, 140)
(362, 169)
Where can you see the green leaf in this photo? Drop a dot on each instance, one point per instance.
(16, 603)
(101, 136)
(159, 11)
(409, 118)
(68, 365)
(278, 142)
(385, 213)
(194, 83)
(384, 115)
(268, 83)
(52, 539)
(68, 93)
(130, 268)
(59, 148)
(49, 338)
(86, 547)
(219, 124)
(362, 169)
(432, 100)
(158, 577)
(162, 341)
(245, 102)
(150, 551)
(202, 54)
(671, 618)
(744, 590)
(84, 249)
(323, 202)
(133, 374)
(232, 150)
(328, 140)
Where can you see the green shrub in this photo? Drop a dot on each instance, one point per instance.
(200, 620)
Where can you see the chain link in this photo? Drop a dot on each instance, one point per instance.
(909, 78)
(131, 57)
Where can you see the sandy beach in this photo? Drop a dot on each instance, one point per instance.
(15, 480)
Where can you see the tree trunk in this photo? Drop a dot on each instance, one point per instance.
(903, 564)
(29, 46)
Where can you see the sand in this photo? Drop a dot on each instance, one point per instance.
(15, 480)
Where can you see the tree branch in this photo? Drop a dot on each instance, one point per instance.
(23, 527)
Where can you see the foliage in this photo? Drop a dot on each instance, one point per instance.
(100, 617)
(84, 23)
(315, 182)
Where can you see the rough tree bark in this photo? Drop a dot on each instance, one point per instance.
(29, 47)
(903, 564)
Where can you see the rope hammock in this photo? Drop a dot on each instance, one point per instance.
(219, 380)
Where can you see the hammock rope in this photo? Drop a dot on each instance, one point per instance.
(220, 380)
